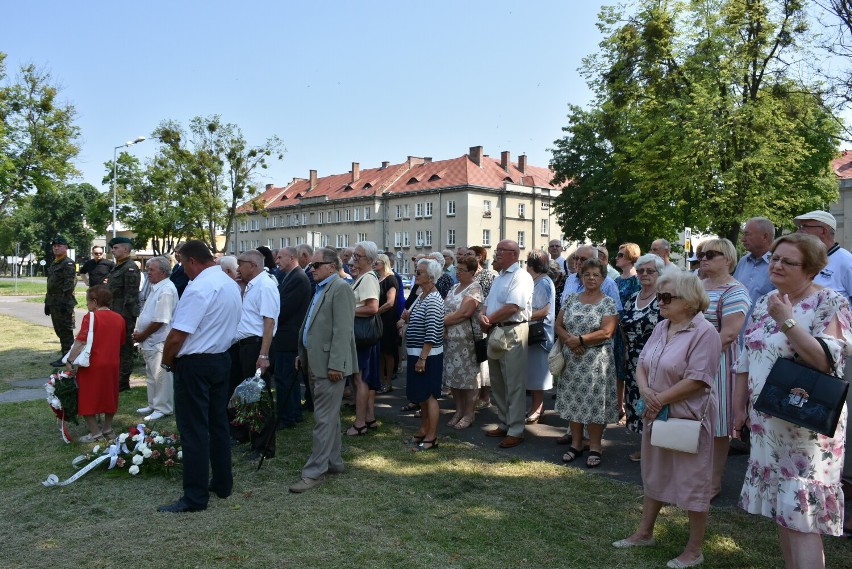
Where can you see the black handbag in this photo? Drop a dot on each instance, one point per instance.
(536, 334)
(368, 331)
(804, 396)
(480, 345)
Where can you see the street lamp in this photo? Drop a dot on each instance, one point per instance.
(114, 174)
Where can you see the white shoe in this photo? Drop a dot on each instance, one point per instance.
(144, 410)
(154, 416)
(675, 564)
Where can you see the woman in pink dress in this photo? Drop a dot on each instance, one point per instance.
(98, 383)
(675, 376)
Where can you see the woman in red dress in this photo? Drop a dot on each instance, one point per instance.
(98, 383)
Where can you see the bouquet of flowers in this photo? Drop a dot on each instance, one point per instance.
(62, 391)
(252, 403)
(139, 450)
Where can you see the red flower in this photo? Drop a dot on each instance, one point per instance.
(133, 431)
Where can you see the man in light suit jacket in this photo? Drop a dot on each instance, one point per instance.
(328, 354)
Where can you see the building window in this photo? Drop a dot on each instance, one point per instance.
(255, 225)
(420, 238)
(321, 217)
(338, 217)
(418, 210)
(366, 213)
(325, 240)
(328, 216)
(397, 239)
(299, 241)
(348, 215)
(544, 227)
(486, 206)
(270, 242)
(283, 242)
(304, 219)
(406, 241)
(362, 237)
(406, 211)
(486, 237)
(339, 241)
(451, 234)
(244, 225)
(428, 238)
(242, 245)
(451, 208)
(522, 239)
(428, 209)
(357, 214)
(522, 210)
(399, 212)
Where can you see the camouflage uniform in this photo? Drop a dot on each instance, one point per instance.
(60, 302)
(123, 281)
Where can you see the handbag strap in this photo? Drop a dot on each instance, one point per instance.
(825, 349)
(90, 336)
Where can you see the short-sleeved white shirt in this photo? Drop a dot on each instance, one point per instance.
(837, 275)
(209, 311)
(512, 286)
(261, 300)
(365, 288)
(159, 307)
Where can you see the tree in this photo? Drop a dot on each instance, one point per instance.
(38, 137)
(697, 121)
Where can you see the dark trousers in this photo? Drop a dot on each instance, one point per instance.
(244, 360)
(128, 354)
(62, 319)
(288, 388)
(201, 396)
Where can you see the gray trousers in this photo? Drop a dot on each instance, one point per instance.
(509, 381)
(325, 452)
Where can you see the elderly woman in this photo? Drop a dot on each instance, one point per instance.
(389, 344)
(675, 376)
(484, 277)
(424, 344)
(794, 474)
(586, 393)
(627, 283)
(366, 381)
(539, 378)
(640, 315)
(98, 388)
(461, 370)
(729, 304)
(229, 267)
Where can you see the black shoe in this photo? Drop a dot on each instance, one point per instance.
(57, 363)
(212, 489)
(179, 507)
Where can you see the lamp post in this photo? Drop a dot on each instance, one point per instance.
(115, 172)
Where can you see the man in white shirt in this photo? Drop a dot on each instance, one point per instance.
(506, 313)
(554, 248)
(152, 327)
(573, 283)
(837, 275)
(662, 249)
(603, 256)
(196, 350)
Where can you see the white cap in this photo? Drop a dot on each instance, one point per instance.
(821, 216)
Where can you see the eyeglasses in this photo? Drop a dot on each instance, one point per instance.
(580, 260)
(499, 250)
(319, 264)
(710, 255)
(808, 225)
(98, 253)
(245, 261)
(357, 257)
(784, 261)
(646, 271)
(591, 276)
(666, 297)
(620, 255)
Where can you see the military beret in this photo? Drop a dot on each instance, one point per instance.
(117, 240)
(59, 240)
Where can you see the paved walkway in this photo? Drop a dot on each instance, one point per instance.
(540, 442)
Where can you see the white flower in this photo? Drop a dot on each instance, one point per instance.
(180, 455)
(138, 437)
(49, 388)
(137, 459)
(159, 439)
(146, 452)
(96, 449)
(134, 470)
(123, 437)
(141, 447)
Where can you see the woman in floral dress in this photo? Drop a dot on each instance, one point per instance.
(628, 284)
(794, 474)
(586, 391)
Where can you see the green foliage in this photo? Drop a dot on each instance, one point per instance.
(697, 121)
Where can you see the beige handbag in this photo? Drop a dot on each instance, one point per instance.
(555, 359)
(679, 434)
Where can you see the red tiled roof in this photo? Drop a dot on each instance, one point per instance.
(411, 176)
(842, 165)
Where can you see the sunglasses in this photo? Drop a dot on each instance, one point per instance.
(666, 297)
(620, 255)
(710, 255)
(646, 271)
(319, 264)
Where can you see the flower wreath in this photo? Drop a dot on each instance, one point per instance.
(62, 393)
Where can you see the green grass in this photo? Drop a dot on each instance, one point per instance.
(25, 350)
(25, 287)
(457, 507)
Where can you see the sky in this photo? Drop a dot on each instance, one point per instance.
(338, 82)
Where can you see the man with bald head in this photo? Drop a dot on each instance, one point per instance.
(573, 283)
(662, 249)
(505, 318)
(554, 248)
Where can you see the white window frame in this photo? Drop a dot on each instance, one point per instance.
(399, 211)
(397, 239)
(428, 212)
(367, 213)
(418, 210)
(522, 239)
(522, 210)
(486, 238)
(428, 240)
(451, 237)
(545, 229)
(451, 208)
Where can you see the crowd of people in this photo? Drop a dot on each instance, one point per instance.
(641, 344)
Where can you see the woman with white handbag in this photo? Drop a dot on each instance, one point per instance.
(675, 377)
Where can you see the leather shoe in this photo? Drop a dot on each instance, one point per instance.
(496, 432)
(57, 363)
(179, 507)
(211, 488)
(305, 484)
(511, 441)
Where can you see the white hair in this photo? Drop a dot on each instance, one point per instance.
(434, 269)
(371, 250)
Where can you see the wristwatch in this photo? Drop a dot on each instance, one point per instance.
(789, 323)
(166, 367)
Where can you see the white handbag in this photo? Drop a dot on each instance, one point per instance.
(679, 434)
(82, 359)
(555, 359)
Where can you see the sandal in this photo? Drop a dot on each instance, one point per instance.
(409, 407)
(454, 420)
(418, 414)
(532, 419)
(90, 438)
(635, 456)
(564, 439)
(371, 424)
(463, 423)
(594, 459)
(421, 447)
(572, 455)
(358, 431)
(413, 440)
(108, 434)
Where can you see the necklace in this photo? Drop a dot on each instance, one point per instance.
(647, 296)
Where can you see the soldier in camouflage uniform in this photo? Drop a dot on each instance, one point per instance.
(123, 281)
(60, 302)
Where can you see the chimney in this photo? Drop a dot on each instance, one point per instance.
(505, 160)
(427, 160)
(313, 180)
(476, 155)
(268, 187)
(522, 163)
(356, 172)
(385, 165)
